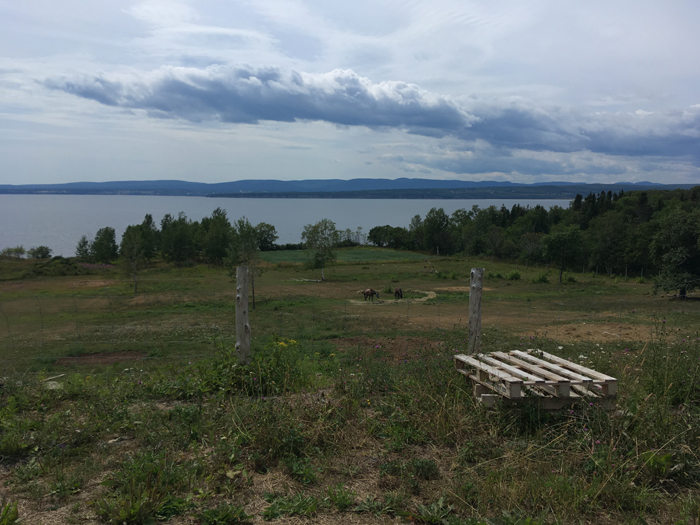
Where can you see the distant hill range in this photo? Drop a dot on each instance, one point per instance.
(338, 189)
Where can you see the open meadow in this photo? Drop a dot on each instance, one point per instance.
(118, 407)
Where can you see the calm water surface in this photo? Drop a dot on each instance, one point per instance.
(58, 221)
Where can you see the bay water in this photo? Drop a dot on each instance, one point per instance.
(58, 221)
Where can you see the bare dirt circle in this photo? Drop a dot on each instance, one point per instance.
(428, 295)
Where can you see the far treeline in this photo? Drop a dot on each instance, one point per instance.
(639, 233)
(642, 233)
(214, 240)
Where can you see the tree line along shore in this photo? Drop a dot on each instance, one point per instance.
(652, 233)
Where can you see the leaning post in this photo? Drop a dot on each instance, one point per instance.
(476, 285)
(242, 325)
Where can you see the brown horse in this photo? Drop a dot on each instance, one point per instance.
(369, 292)
(398, 293)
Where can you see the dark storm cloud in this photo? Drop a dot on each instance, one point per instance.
(249, 95)
(670, 134)
(245, 94)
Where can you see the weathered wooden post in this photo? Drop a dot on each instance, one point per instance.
(477, 282)
(242, 325)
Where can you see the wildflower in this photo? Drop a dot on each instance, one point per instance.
(597, 441)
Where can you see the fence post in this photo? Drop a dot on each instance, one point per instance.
(242, 325)
(477, 282)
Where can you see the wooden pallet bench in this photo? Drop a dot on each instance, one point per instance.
(533, 376)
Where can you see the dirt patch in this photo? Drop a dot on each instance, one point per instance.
(595, 332)
(428, 295)
(99, 283)
(461, 289)
(100, 358)
(398, 348)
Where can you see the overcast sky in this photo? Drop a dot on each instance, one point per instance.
(212, 91)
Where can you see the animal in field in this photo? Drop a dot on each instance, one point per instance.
(369, 292)
(398, 293)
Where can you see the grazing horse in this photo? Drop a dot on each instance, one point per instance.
(398, 293)
(369, 292)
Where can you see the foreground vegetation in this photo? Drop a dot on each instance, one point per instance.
(130, 408)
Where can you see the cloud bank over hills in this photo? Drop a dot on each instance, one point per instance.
(294, 89)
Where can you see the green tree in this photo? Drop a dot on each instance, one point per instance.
(676, 250)
(531, 247)
(319, 241)
(563, 247)
(150, 236)
(266, 235)
(104, 248)
(177, 238)
(39, 252)
(133, 252)
(607, 237)
(82, 250)
(379, 235)
(16, 253)
(216, 235)
(416, 232)
(436, 226)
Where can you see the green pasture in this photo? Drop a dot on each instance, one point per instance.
(345, 255)
(351, 410)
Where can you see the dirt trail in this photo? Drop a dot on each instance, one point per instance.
(428, 295)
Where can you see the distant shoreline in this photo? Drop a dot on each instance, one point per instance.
(554, 192)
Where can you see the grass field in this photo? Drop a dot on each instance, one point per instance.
(120, 407)
(347, 255)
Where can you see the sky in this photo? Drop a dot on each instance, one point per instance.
(211, 91)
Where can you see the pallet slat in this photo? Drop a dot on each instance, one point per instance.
(532, 367)
(556, 368)
(525, 376)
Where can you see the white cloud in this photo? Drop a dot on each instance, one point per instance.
(508, 86)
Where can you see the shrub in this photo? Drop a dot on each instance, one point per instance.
(39, 252)
(139, 505)
(541, 279)
(514, 276)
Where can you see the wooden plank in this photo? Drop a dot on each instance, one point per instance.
(607, 384)
(557, 385)
(475, 289)
(509, 390)
(488, 369)
(532, 367)
(514, 371)
(576, 367)
(551, 366)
